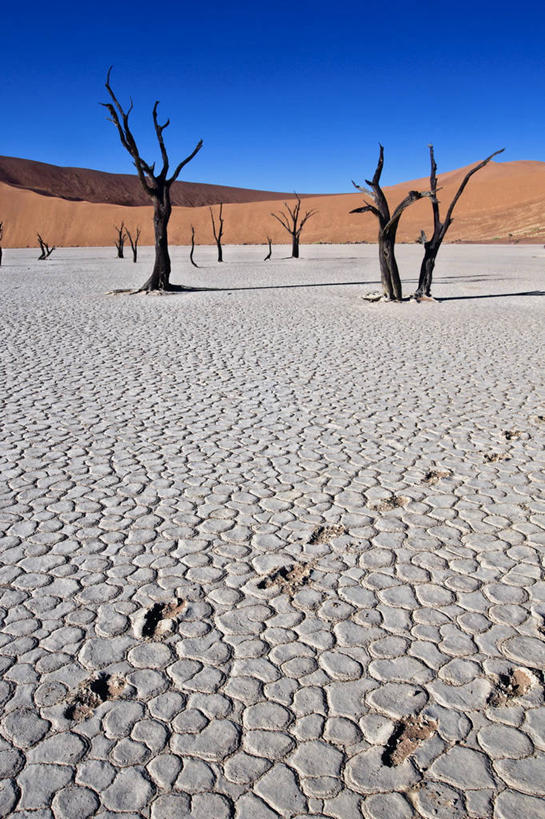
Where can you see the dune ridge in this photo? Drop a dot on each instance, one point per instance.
(504, 202)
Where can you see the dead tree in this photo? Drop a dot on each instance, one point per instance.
(291, 220)
(218, 232)
(1, 237)
(192, 251)
(120, 241)
(45, 250)
(432, 245)
(269, 254)
(388, 224)
(157, 185)
(133, 242)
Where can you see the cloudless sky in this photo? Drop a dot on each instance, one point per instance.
(286, 95)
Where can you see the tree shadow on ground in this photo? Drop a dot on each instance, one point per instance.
(493, 296)
(197, 288)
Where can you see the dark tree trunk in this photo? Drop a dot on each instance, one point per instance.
(269, 254)
(295, 247)
(134, 242)
(218, 232)
(386, 256)
(45, 250)
(120, 241)
(192, 251)
(0, 257)
(426, 269)
(160, 276)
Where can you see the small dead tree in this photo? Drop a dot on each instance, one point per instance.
(388, 224)
(218, 232)
(157, 185)
(45, 250)
(133, 242)
(432, 245)
(192, 251)
(293, 221)
(269, 254)
(1, 237)
(120, 241)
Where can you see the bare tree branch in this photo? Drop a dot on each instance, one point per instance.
(156, 185)
(465, 180)
(432, 245)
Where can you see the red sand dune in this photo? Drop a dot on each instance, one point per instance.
(504, 202)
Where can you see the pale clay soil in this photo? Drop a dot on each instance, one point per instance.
(274, 550)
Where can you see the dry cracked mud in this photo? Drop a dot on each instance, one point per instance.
(181, 449)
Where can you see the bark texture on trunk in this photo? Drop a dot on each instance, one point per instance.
(160, 275)
(426, 270)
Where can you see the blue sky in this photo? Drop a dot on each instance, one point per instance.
(289, 96)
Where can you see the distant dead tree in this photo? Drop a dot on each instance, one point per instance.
(133, 242)
(157, 185)
(432, 245)
(120, 241)
(45, 250)
(218, 232)
(1, 237)
(269, 254)
(192, 251)
(422, 239)
(291, 220)
(388, 224)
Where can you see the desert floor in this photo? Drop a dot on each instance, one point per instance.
(272, 550)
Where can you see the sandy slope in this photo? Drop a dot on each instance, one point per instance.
(503, 202)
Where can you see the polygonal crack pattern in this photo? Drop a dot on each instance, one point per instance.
(246, 570)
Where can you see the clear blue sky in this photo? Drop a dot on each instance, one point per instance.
(287, 96)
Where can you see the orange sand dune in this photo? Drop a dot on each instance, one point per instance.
(503, 202)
